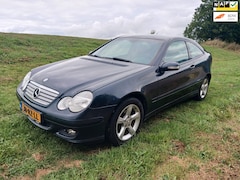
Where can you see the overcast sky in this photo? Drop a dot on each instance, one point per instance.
(96, 18)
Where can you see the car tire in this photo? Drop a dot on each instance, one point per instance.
(126, 121)
(203, 89)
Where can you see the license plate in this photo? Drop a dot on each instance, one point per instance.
(36, 116)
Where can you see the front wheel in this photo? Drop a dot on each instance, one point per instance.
(126, 121)
(203, 90)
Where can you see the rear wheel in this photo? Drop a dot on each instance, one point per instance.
(126, 121)
(203, 90)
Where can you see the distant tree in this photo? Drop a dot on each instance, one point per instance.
(203, 28)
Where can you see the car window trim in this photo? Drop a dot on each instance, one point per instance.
(198, 56)
(182, 61)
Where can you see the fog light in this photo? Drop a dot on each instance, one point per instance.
(71, 132)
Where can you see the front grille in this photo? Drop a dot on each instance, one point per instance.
(41, 94)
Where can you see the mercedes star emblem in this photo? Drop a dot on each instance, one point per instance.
(36, 92)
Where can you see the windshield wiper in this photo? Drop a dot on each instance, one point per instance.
(121, 59)
(113, 58)
(93, 55)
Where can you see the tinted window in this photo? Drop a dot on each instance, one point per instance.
(133, 49)
(176, 52)
(115, 49)
(194, 51)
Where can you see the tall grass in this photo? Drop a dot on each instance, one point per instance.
(225, 45)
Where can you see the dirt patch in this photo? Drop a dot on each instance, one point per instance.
(215, 170)
(181, 162)
(39, 173)
(6, 79)
(172, 168)
(223, 147)
(68, 164)
(38, 156)
(42, 172)
(25, 59)
(178, 146)
(213, 156)
(3, 169)
(61, 164)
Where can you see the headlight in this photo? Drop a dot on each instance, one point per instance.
(77, 103)
(64, 103)
(25, 81)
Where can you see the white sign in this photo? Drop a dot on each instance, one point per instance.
(225, 16)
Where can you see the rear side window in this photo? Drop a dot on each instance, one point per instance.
(194, 51)
(176, 52)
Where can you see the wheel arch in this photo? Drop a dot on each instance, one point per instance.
(209, 75)
(137, 95)
(129, 97)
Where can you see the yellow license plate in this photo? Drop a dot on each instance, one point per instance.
(31, 113)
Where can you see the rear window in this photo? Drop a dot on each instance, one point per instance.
(194, 51)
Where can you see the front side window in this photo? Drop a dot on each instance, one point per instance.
(176, 52)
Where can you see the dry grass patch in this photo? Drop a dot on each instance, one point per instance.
(212, 156)
(6, 80)
(224, 45)
(223, 151)
(40, 173)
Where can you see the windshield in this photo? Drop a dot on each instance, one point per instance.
(135, 50)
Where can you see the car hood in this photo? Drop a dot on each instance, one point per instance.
(88, 73)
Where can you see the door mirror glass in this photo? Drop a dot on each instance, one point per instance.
(171, 66)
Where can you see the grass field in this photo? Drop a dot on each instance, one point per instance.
(192, 140)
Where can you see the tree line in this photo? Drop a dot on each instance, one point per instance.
(203, 28)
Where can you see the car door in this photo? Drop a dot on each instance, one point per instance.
(171, 86)
(198, 61)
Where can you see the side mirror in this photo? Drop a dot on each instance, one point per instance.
(171, 66)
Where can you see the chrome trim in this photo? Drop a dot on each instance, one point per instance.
(45, 96)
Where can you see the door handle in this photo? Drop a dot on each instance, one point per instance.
(192, 66)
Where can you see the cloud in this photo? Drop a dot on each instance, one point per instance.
(100, 19)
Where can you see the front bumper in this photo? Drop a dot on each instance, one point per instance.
(87, 126)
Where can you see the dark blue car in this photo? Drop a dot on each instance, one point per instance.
(110, 92)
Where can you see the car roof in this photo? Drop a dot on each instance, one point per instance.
(150, 36)
(158, 37)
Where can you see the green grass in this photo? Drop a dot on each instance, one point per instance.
(192, 140)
